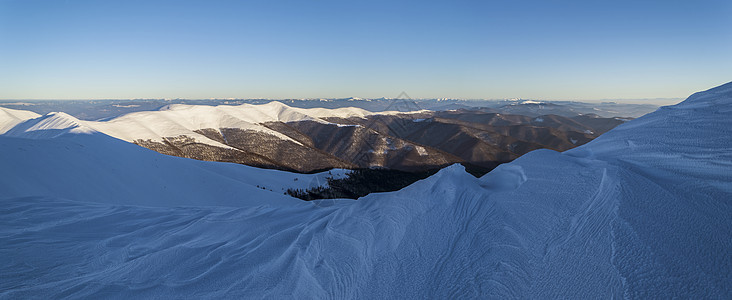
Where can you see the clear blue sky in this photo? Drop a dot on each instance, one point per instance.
(300, 49)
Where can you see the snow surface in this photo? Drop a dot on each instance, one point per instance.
(57, 155)
(180, 119)
(641, 212)
(11, 117)
(531, 102)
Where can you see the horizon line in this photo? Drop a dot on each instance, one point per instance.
(334, 98)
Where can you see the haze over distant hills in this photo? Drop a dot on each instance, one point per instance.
(104, 109)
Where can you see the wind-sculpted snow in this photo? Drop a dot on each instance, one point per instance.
(641, 212)
(11, 117)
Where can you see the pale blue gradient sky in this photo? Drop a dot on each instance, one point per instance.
(302, 49)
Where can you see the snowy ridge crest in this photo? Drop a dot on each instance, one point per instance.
(11, 117)
(175, 120)
(721, 95)
(51, 125)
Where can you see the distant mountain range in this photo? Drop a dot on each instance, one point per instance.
(275, 135)
(94, 110)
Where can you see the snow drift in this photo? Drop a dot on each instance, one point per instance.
(643, 211)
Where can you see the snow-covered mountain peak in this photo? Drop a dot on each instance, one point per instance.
(176, 120)
(51, 125)
(275, 104)
(532, 102)
(57, 120)
(11, 117)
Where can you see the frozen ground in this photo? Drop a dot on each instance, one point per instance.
(644, 211)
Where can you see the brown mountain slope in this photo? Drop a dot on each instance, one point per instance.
(411, 142)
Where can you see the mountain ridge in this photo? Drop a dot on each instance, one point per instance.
(274, 135)
(642, 211)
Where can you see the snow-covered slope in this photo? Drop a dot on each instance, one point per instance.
(179, 119)
(11, 117)
(641, 212)
(49, 126)
(175, 120)
(58, 155)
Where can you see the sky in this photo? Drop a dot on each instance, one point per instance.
(560, 50)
